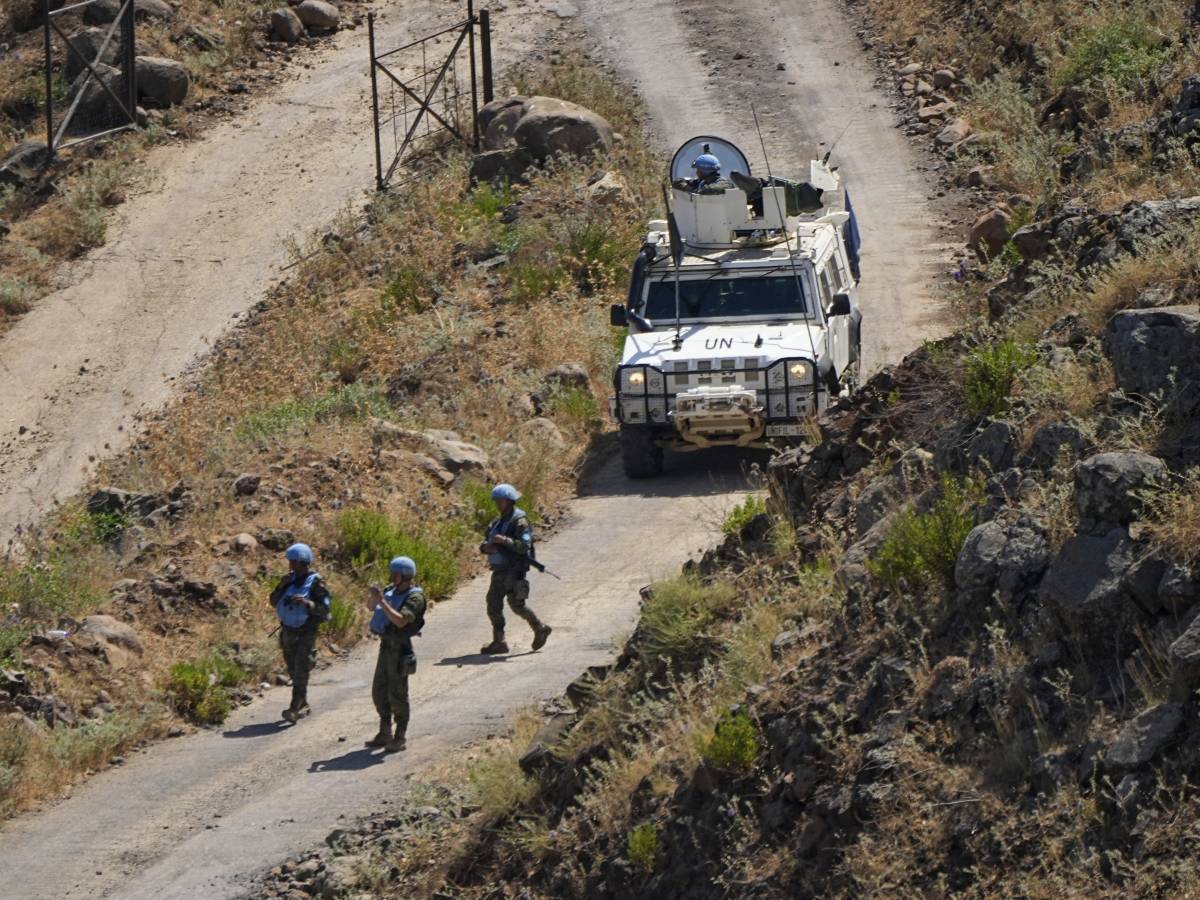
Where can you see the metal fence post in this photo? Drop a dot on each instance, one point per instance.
(485, 53)
(131, 86)
(375, 102)
(49, 84)
(471, 52)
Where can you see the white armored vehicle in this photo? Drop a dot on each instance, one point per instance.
(742, 311)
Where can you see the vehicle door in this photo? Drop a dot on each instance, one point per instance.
(837, 327)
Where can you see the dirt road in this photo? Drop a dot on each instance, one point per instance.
(201, 245)
(701, 65)
(199, 816)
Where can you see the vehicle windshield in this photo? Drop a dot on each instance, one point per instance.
(759, 297)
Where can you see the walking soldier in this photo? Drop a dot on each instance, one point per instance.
(508, 545)
(301, 602)
(398, 615)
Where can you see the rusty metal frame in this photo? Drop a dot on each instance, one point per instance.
(127, 106)
(425, 101)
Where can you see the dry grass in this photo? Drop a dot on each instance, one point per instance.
(1173, 518)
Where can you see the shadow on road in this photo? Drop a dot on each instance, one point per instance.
(480, 659)
(354, 761)
(702, 474)
(258, 729)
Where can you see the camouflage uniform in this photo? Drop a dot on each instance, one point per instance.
(510, 566)
(389, 689)
(299, 644)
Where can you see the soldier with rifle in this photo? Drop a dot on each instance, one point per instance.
(508, 545)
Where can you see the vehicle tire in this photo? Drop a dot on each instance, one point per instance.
(640, 456)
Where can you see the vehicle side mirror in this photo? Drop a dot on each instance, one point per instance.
(617, 316)
(840, 305)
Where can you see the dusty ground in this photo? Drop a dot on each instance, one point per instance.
(203, 248)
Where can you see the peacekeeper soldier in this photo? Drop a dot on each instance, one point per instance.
(398, 614)
(301, 602)
(708, 178)
(508, 545)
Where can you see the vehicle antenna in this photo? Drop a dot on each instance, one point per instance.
(676, 256)
(837, 140)
(787, 242)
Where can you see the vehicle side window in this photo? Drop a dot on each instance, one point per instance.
(826, 293)
(842, 271)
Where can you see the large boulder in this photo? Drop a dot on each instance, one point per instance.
(161, 81)
(112, 631)
(510, 164)
(120, 502)
(1184, 657)
(989, 233)
(1143, 737)
(1001, 560)
(286, 25)
(1085, 587)
(545, 126)
(1157, 351)
(1107, 486)
(96, 106)
(103, 12)
(1057, 442)
(318, 14)
(88, 41)
(444, 447)
(993, 447)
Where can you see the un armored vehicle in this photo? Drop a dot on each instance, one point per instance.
(742, 313)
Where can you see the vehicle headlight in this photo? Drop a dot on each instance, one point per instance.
(633, 380)
(798, 370)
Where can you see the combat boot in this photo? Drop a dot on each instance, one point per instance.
(384, 737)
(540, 634)
(498, 644)
(396, 744)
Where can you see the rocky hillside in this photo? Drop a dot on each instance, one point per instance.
(957, 652)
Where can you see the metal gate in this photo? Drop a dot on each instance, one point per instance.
(100, 103)
(426, 101)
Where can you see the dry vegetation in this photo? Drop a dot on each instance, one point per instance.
(392, 315)
(66, 214)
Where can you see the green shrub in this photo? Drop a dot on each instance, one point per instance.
(343, 619)
(198, 689)
(643, 846)
(497, 783)
(741, 514)
(1008, 119)
(921, 548)
(677, 615)
(576, 403)
(405, 291)
(371, 540)
(1120, 54)
(989, 372)
(535, 281)
(599, 254)
(352, 401)
(734, 744)
(107, 526)
(489, 201)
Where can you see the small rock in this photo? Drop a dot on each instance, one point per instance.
(244, 543)
(1140, 741)
(161, 81)
(989, 233)
(944, 79)
(246, 484)
(277, 539)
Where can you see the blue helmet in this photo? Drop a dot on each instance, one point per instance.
(506, 492)
(706, 162)
(299, 553)
(402, 565)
